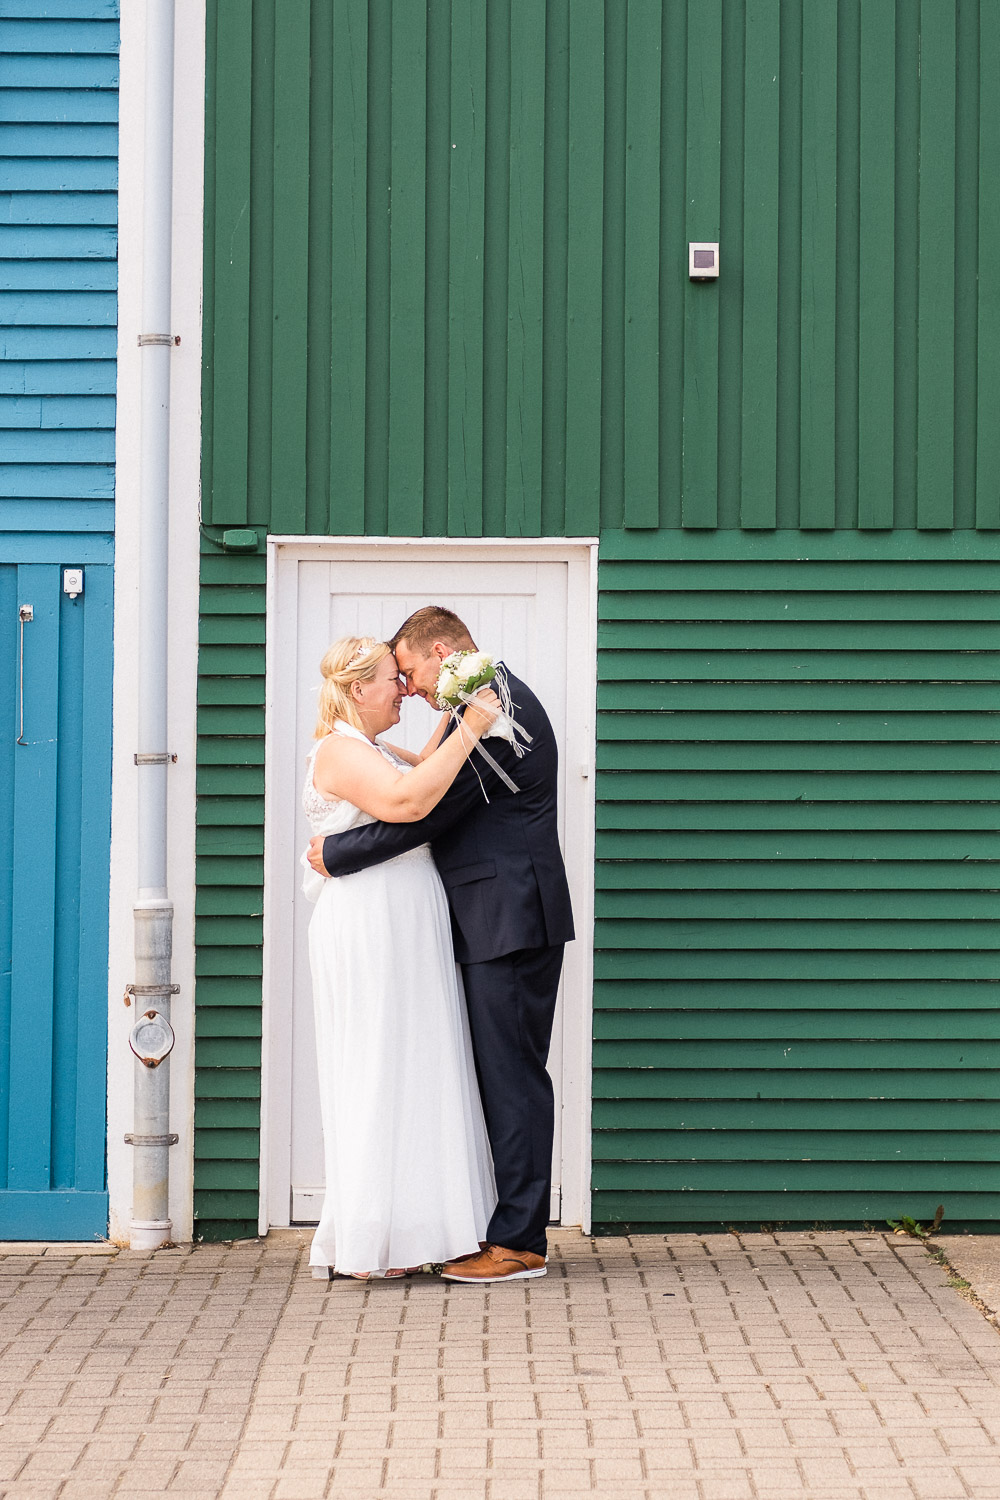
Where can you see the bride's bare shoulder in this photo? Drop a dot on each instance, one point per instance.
(347, 763)
(341, 748)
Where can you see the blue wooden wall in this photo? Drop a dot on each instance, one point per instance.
(58, 338)
(58, 245)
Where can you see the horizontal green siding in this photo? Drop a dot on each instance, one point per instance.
(446, 283)
(796, 996)
(229, 909)
(796, 1000)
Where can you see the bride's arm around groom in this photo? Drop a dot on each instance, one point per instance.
(526, 901)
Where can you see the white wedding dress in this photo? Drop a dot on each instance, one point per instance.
(409, 1177)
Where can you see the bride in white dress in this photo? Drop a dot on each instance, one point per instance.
(409, 1178)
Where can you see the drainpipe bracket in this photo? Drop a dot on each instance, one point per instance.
(132, 991)
(132, 1139)
(154, 758)
(167, 340)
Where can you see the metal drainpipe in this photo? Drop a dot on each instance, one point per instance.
(152, 1037)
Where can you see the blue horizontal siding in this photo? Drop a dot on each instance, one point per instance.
(59, 106)
(63, 208)
(58, 257)
(51, 412)
(58, 140)
(45, 242)
(58, 174)
(69, 481)
(61, 10)
(53, 275)
(46, 530)
(67, 70)
(83, 377)
(45, 446)
(67, 309)
(58, 35)
(58, 343)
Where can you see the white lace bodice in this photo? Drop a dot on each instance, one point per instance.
(334, 814)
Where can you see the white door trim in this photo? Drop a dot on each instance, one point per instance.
(580, 553)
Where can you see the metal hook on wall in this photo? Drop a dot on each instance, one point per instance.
(25, 614)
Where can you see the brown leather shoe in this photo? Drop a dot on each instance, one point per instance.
(496, 1264)
(458, 1260)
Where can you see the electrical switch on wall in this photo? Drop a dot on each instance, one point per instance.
(703, 260)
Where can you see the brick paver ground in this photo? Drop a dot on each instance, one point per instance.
(760, 1367)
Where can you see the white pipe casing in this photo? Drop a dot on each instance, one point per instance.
(151, 1226)
(153, 914)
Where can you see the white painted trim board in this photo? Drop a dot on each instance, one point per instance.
(581, 556)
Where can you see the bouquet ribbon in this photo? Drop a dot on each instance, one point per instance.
(503, 713)
(507, 707)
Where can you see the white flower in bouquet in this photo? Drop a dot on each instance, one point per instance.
(474, 663)
(461, 673)
(448, 686)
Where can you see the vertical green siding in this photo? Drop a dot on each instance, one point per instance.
(447, 292)
(796, 977)
(696, 120)
(876, 271)
(988, 343)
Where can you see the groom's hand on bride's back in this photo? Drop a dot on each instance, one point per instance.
(314, 855)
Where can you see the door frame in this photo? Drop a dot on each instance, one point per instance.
(580, 555)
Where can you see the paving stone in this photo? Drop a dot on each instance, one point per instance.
(780, 1367)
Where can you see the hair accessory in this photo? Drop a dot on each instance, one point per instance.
(366, 647)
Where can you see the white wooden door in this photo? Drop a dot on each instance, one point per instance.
(517, 610)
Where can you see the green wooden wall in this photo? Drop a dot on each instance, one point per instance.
(230, 896)
(446, 294)
(446, 282)
(796, 998)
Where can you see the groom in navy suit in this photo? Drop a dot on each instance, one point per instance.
(503, 871)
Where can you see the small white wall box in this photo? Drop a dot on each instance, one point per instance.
(72, 581)
(703, 260)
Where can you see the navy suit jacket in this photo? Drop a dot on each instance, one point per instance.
(500, 861)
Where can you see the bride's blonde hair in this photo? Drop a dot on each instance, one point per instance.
(354, 658)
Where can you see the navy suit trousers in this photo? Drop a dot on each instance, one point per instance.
(511, 1002)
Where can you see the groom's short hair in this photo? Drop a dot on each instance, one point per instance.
(430, 624)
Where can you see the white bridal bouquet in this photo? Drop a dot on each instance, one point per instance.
(461, 674)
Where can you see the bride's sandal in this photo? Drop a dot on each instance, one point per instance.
(393, 1273)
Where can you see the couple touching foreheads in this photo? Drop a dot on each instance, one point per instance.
(437, 1109)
